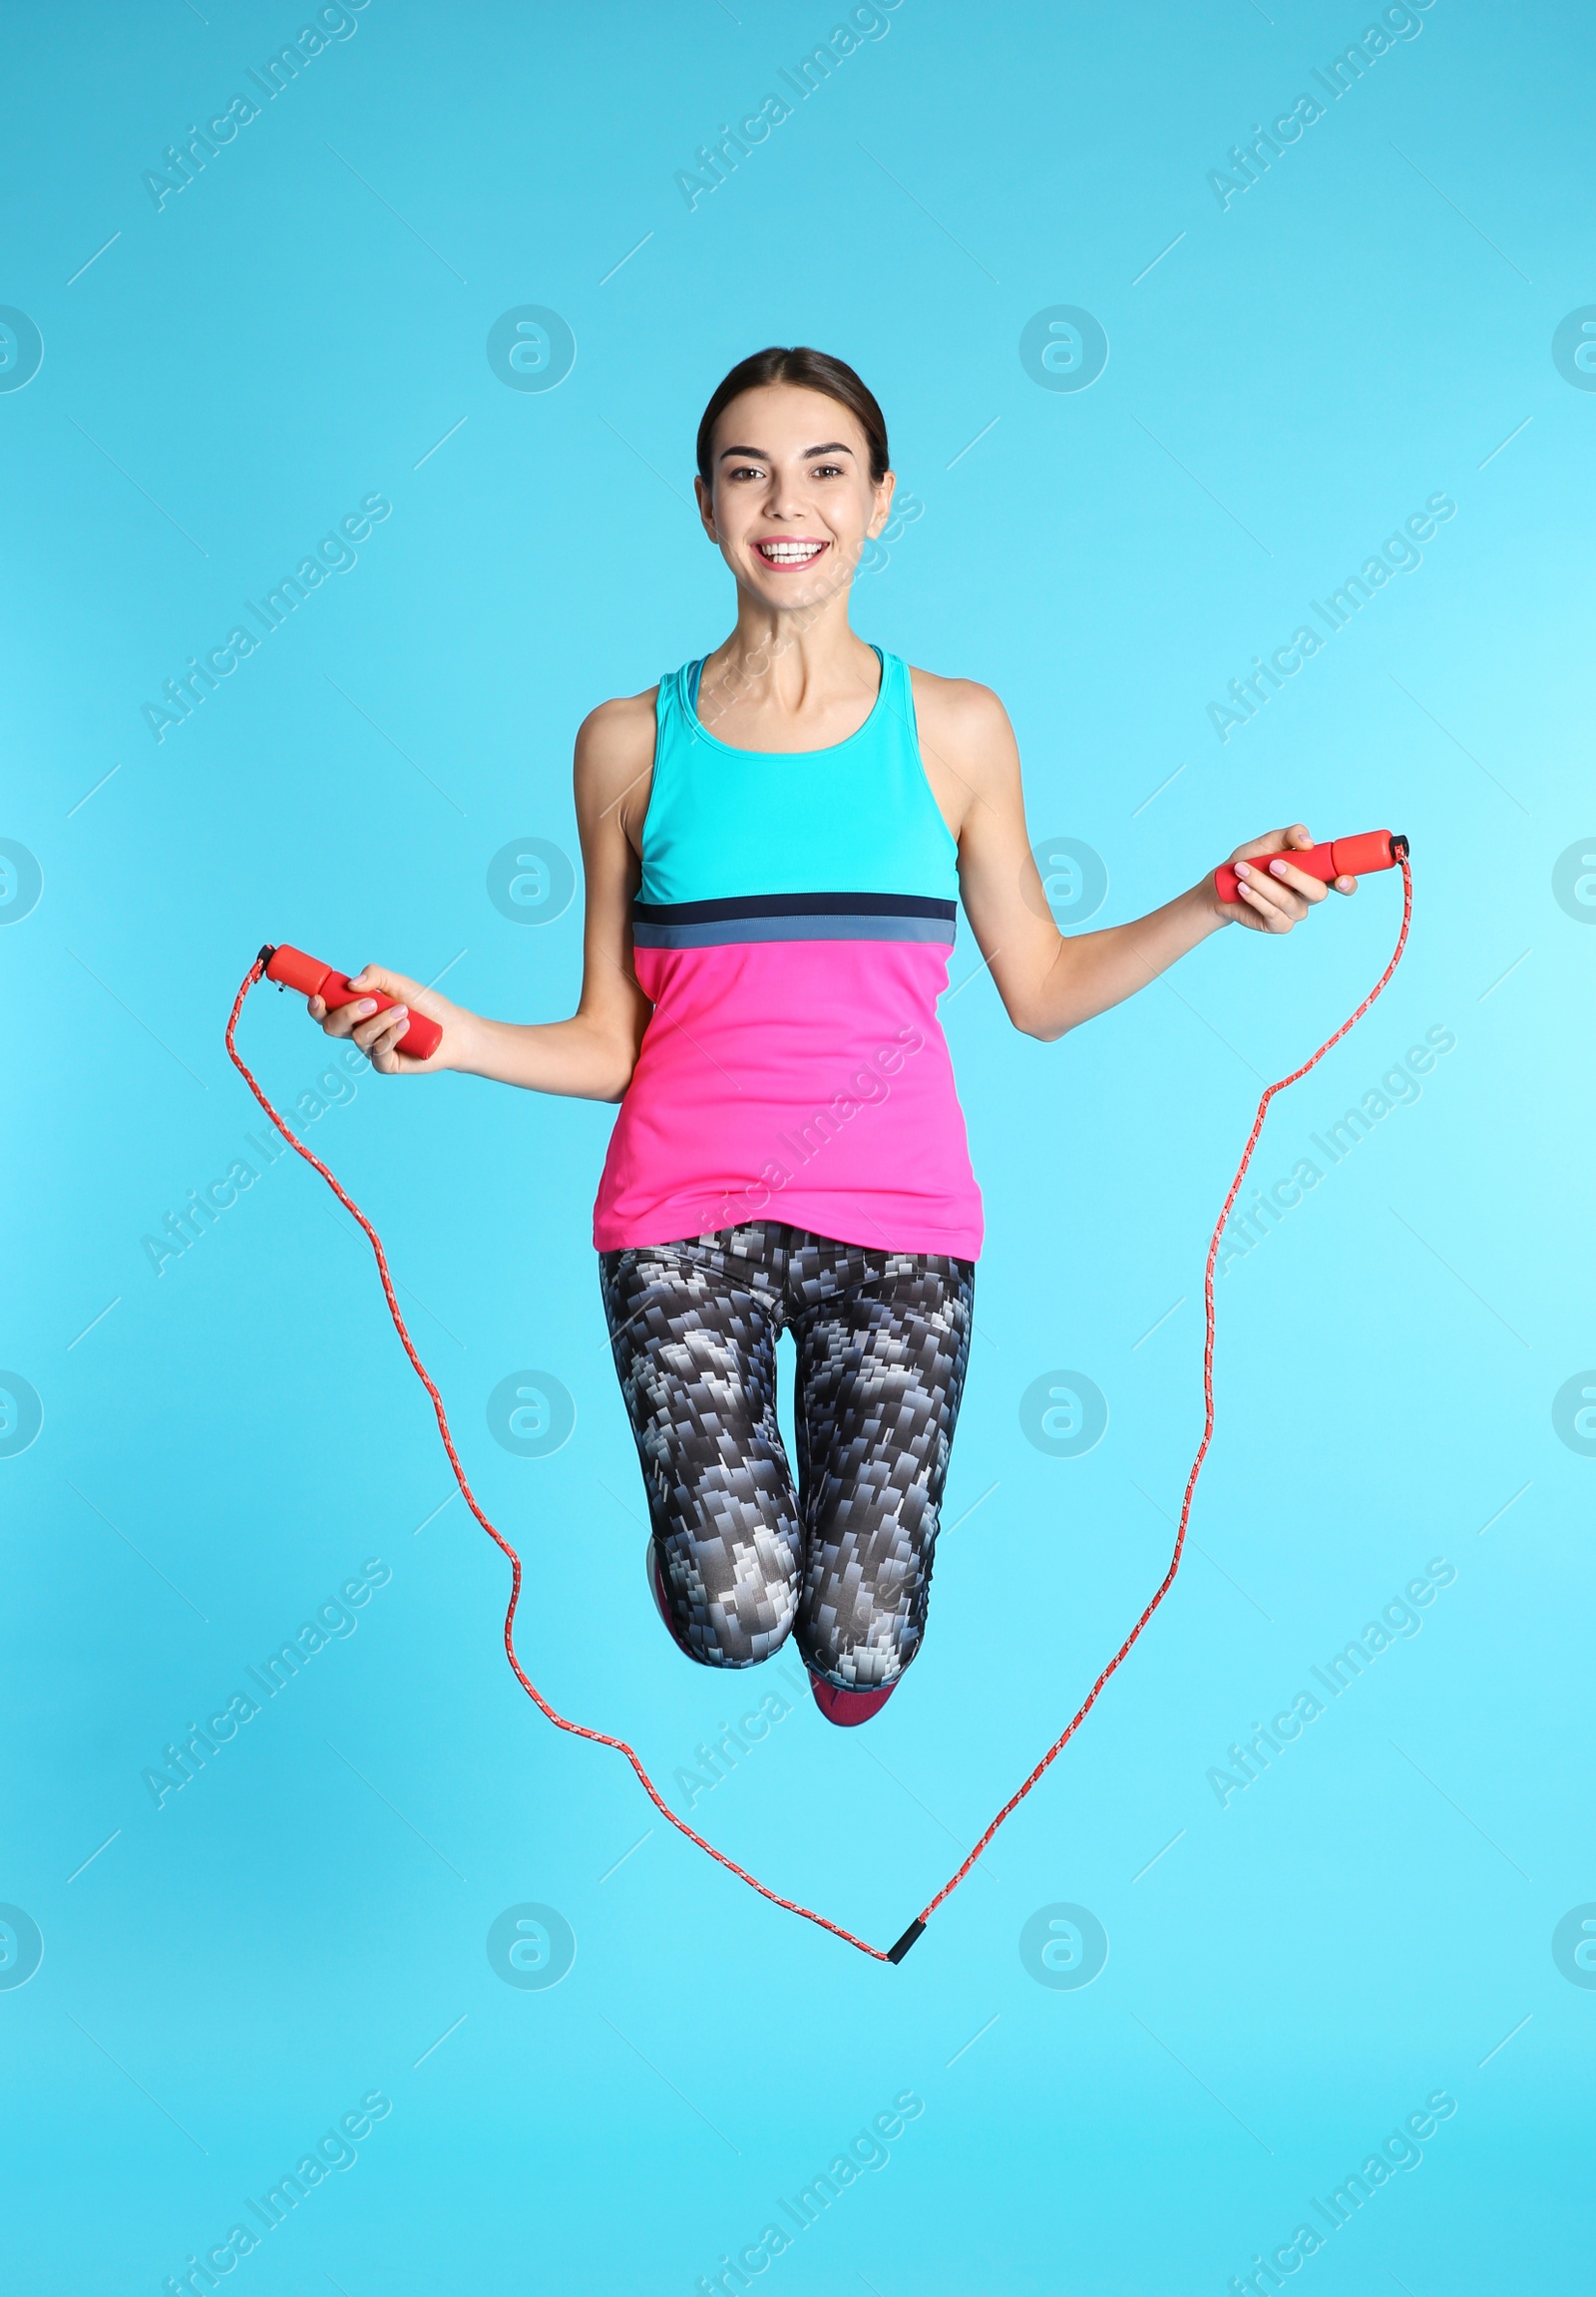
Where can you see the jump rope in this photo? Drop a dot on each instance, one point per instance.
(291, 968)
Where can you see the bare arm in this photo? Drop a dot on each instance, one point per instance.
(1050, 983)
(590, 1056)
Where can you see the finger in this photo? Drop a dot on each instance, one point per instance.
(1276, 909)
(394, 1058)
(1266, 887)
(1345, 886)
(1254, 906)
(1285, 873)
(1274, 842)
(383, 1033)
(344, 1020)
(383, 980)
(1289, 904)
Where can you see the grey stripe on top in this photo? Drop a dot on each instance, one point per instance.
(721, 932)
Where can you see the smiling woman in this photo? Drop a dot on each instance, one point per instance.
(777, 837)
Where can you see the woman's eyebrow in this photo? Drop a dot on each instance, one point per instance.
(758, 454)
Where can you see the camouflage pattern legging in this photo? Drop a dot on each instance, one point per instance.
(883, 1342)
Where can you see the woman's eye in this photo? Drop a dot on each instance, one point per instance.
(746, 470)
(828, 471)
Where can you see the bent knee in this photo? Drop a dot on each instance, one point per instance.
(736, 1618)
(731, 1650)
(750, 1629)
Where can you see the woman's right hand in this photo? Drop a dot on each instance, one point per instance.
(377, 1035)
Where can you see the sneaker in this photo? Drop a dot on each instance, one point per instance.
(849, 1706)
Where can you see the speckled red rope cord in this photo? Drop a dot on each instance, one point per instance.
(603, 1738)
(1168, 1580)
(561, 1722)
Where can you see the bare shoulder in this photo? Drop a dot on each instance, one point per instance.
(964, 731)
(617, 731)
(615, 755)
(960, 712)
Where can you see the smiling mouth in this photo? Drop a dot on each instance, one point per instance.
(796, 553)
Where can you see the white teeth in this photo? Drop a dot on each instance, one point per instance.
(789, 553)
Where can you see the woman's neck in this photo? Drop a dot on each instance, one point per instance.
(794, 678)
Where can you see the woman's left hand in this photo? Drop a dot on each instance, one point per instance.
(1273, 899)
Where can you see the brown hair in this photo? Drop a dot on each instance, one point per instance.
(810, 371)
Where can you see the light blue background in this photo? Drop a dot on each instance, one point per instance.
(301, 1924)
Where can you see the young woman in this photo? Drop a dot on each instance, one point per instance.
(775, 839)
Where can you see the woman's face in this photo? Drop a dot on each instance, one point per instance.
(792, 501)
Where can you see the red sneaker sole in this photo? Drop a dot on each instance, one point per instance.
(847, 1708)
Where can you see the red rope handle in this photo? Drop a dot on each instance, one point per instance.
(603, 1738)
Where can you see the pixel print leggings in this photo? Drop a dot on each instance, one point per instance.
(883, 1342)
